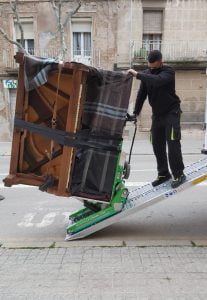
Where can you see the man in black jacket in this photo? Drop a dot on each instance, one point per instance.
(158, 83)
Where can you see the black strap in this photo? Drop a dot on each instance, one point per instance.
(38, 164)
(132, 144)
(78, 140)
(49, 181)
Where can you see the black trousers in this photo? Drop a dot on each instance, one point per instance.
(165, 131)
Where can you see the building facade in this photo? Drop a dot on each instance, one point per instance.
(114, 35)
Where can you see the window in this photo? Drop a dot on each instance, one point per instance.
(81, 31)
(82, 44)
(27, 24)
(152, 29)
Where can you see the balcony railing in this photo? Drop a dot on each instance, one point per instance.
(94, 59)
(172, 50)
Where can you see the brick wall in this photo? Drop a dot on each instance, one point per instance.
(114, 24)
(185, 20)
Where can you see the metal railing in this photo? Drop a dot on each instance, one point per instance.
(7, 58)
(171, 50)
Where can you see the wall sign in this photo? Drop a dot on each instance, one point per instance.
(10, 84)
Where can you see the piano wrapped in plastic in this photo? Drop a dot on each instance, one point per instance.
(68, 127)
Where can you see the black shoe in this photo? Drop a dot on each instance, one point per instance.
(161, 179)
(178, 181)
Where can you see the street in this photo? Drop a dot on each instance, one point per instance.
(154, 254)
(31, 216)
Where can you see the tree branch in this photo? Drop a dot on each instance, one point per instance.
(14, 9)
(57, 6)
(3, 33)
(70, 14)
(55, 9)
(63, 48)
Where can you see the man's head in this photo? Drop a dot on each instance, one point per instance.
(155, 59)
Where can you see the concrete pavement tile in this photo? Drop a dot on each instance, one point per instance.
(157, 243)
(90, 243)
(26, 244)
(17, 297)
(200, 242)
(102, 278)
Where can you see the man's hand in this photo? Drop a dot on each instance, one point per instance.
(133, 72)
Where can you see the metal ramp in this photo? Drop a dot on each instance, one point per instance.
(146, 195)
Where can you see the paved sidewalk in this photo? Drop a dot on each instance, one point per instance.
(119, 273)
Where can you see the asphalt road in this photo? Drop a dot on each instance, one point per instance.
(30, 216)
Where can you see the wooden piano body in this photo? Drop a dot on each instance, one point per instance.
(57, 105)
(30, 157)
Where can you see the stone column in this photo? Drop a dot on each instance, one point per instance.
(204, 150)
(5, 134)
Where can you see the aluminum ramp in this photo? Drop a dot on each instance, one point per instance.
(146, 195)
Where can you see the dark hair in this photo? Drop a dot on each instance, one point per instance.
(154, 55)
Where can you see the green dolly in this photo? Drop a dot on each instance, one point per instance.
(93, 213)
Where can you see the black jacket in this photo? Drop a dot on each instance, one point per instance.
(159, 86)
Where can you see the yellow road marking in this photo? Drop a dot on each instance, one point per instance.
(200, 179)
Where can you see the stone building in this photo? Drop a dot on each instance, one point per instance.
(114, 35)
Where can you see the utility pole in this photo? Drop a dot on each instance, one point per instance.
(204, 150)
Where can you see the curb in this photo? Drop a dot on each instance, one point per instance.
(101, 244)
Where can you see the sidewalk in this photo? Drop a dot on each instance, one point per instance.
(192, 143)
(119, 273)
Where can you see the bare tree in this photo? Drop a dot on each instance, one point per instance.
(20, 44)
(62, 22)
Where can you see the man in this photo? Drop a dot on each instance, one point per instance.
(158, 83)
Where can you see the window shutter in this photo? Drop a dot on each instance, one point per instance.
(81, 25)
(28, 28)
(152, 21)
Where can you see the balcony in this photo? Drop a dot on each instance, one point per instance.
(177, 52)
(8, 64)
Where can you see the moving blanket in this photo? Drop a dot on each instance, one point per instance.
(105, 109)
(36, 70)
(107, 101)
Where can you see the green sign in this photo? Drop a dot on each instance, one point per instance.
(10, 84)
